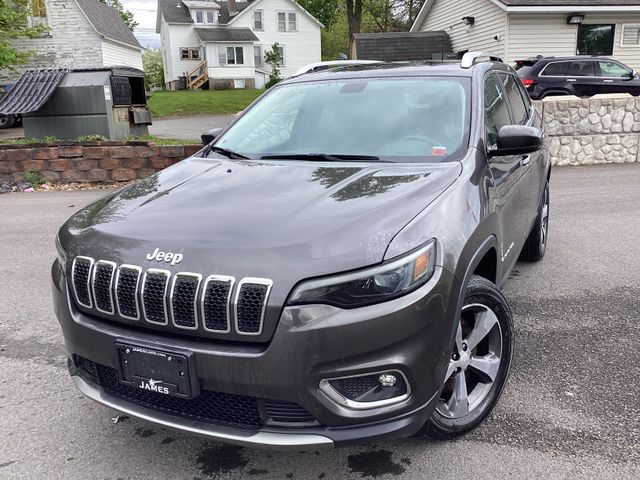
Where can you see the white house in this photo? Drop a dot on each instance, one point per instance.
(80, 34)
(223, 43)
(516, 29)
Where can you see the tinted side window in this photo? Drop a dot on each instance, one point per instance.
(518, 107)
(581, 69)
(496, 110)
(555, 69)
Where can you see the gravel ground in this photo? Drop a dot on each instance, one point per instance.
(570, 409)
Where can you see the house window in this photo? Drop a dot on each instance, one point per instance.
(257, 20)
(287, 22)
(630, 36)
(281, 50)
(210, 18)
(258, 59)
(234, 56)
(199, 16)
(282, 22)
(595, 39)
(189, 54)
(38, 8)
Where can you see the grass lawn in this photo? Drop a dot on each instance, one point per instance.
(191, 102)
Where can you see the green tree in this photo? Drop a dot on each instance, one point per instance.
(273, 58)
(153, 68)
(126, 15)
(324, 10)
(14, 24)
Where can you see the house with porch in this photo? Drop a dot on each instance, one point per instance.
(517, 29)
(79, 34)
(218, 45)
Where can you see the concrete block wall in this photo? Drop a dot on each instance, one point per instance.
(89, 162)
(596, 130)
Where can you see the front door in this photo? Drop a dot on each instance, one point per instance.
(617, 78)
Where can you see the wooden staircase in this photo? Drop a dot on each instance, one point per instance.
(198, 76)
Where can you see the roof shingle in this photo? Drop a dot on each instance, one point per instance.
(226, 34)
(107, 22)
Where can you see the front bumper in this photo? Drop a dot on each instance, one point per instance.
(412, 334)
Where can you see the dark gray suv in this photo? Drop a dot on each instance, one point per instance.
(326, 271)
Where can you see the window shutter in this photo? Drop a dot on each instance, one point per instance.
(631, 34)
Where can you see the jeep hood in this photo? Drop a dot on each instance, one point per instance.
(292, 219)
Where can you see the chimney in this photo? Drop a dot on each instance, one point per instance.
(232, 7)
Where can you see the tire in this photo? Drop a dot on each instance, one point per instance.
(536, 244)
(479, 365)
(7, 121)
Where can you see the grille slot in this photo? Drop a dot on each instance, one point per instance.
(127, 281)
(251, 300)
(183, 298)
(283, 412)
(102, 283)
(80, 277)
(154, 292)
(216, 296)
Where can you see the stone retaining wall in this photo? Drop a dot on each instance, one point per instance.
(89, 162)
(601, 129)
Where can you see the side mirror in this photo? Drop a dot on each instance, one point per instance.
(630, 76)
(210, 135)
(517, 140)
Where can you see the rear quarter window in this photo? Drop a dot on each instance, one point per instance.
(554, 69)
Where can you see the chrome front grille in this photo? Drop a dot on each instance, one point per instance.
(182, 300)
(154, 293)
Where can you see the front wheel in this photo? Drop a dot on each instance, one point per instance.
(479, 363)
(7, 121)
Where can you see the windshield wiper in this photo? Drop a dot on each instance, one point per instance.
(226, 152)
(322, 157)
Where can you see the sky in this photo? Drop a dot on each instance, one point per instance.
(145, 14)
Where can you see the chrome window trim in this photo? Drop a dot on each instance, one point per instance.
(257, 281)
(114, 267)
(218, 278)
(195, 299)
(135, 296)
(89, 276)
(167, 273)
(541, 74)
(337, 397)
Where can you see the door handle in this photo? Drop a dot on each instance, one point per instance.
(525, 160)
(608, 81)
(571, 80)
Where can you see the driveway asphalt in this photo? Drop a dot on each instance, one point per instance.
(187, 128)
(570, 409)
(182, 128)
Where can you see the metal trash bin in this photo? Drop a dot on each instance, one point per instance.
(68, 104)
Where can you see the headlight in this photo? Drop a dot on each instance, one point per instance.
(62, 254)
(373, 285)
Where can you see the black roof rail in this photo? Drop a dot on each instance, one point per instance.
(472, 58)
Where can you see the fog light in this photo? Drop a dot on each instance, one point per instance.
(387, 380)
(371, 390)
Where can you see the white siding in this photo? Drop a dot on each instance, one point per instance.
(118, 54)
(490, 21)
(71, 42)
(549, 35)
(181, 36)
(301, 47)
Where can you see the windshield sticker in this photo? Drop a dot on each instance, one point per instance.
(439, 151)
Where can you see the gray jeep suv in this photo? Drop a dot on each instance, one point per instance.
(326, 271)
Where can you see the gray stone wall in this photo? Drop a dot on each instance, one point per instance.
(70, 42)
(601, 129)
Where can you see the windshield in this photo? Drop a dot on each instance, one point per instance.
(408, 119)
